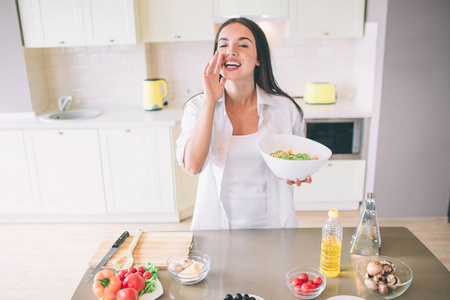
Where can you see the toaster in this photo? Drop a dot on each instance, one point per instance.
(320, 93)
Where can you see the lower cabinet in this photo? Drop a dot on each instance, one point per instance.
(338, 184)
(141, 174)
(109, 174)
(15, 186)
(66, 171)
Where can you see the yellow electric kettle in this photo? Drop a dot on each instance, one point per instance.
(154, 92)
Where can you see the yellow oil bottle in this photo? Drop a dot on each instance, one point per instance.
(330, 254)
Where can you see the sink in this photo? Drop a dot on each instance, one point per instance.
(71, 115)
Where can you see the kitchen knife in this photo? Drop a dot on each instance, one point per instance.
(110, 253)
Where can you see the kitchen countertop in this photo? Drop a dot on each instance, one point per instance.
(256, 262)
(170, 115)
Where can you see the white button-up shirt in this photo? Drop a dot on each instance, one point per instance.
(277, 114)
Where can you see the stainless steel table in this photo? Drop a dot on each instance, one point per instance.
(256, 262)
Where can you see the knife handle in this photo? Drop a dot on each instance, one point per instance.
(120, 240)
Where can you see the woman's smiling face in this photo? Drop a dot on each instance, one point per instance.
(237, 43)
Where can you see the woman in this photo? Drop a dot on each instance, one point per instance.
(222, 127)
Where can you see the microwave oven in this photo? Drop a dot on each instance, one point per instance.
(342, 136)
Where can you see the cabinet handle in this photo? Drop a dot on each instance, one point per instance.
(62, 42)
(111, 41)
(178, 36)
(60, 132)
(127, 130)
(326, 33)
(330, 164)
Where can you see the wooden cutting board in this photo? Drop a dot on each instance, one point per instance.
(154, 247)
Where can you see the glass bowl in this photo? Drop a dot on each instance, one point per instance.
(380, 289)
(190, 277)
(305, 294)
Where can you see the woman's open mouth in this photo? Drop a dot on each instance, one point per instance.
(231, 65)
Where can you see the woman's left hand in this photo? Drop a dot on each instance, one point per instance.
(298, 182)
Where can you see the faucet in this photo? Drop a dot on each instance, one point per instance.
(63, 102)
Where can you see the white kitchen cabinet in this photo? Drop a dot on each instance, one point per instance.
(338, 184)
(141, 173)
(110, 22)
(52, 23)
(62, 23)
(172, 20)
(326, 18)
(66, 168)
(15, 186)
(253, 9)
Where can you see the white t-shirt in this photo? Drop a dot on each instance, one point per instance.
(244, 193)
(277, 114)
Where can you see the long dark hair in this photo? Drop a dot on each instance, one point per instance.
(263, 73)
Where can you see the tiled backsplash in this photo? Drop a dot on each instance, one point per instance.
(112, 75)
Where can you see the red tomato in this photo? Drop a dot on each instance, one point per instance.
(121, 277)
(127, 294)
(141, 269)
(296, 282)
(304, 277)
(310, 282)
(127, 273)
(132, 269)
(147, 275)
(314, 286)
(306, 288)
(123, 272)
(318, 280)
(139, 273)
(134, 281)
(298, 290)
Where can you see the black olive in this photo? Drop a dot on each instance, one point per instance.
(252, 298)
(238, 296)
(228, 297)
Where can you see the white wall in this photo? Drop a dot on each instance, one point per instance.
(412, 163)
(112, 75)
(14, 88)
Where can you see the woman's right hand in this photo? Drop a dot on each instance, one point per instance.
(212, 87)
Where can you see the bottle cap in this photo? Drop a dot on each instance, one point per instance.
(333, 212)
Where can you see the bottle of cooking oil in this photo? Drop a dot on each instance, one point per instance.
(330, 255)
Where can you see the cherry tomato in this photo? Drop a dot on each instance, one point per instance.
(298, 290)
(127, 294)
(310, 282)
(132, 269)
(314, 286)
(304, 277)
(318, 280)
(123, 272)
(121, 277)
(147, 275)
(134, 281)
(141, 269)
(296, 282)
(306, 288)
(127, 273)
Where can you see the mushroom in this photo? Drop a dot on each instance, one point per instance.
(383, 289)
(371, 285)
(388, 267)
(374, 268)
(393, 281)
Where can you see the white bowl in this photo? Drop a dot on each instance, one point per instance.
(291, 169)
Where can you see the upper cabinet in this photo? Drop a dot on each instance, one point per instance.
(326, 18)
(172, 20)
(110, 22)
(257, 10)
(62, 23)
